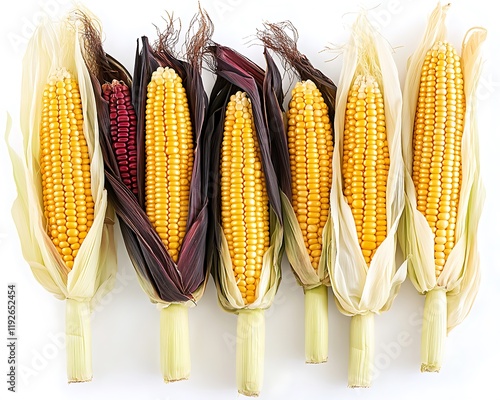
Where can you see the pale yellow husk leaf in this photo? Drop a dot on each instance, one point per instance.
(460, 276)
(227, 290)
(296, 250)
(359, 289)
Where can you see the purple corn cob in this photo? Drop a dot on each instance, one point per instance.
(123, 124)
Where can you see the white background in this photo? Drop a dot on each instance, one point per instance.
(126, 326)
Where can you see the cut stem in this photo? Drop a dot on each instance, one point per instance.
(316, 324)
(250, 344)
(361, 349)
(174, 343)
(434, 330)
(78, 341)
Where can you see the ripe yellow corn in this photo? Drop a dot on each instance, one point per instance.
(65, 166)
(365, 163)
(437, 145)
(310, 145)
(244, 202)
(169, 158)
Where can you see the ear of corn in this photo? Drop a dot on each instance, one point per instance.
(169, 167)
(169, 158)
(246, 215)
(444, 192)
(61, 208)
(65, 167)
(244, 203)
(310, 145)
(123, 127)
(437, 143)
(437, 169)
(367, 191)
(245, 224)
(365, 163)
(365, 167)
(305, 195)
(164, 211)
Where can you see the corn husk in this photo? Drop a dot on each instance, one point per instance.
(55, 45)
(361, 291)
(449, 298)
(173, 287)
(282, 38)
(235, 72)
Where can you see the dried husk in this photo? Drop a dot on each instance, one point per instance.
(459, 281)
(55, 45)
(235, 72)
(359, 290)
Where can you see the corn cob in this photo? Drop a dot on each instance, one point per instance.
(169, 158)
(437, 144)
(310, 144)
(65, 166)
(123, 127)
(244, 203)
(365, 163)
